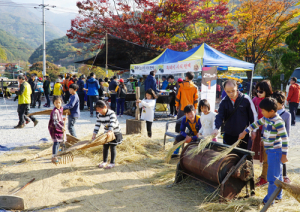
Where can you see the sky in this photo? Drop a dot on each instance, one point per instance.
(65, 4)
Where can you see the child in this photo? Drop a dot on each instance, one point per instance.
(192, 122)
(56, 126)
(121, 95)
(73, 106)
(147, 106)
(108, 118)
(275, 142)
(207, 119)
(286, 116)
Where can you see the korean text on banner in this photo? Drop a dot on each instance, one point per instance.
(208, 85)
(169, 68)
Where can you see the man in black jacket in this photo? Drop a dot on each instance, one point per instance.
(33, 84)
(80, 91)
(235, 120)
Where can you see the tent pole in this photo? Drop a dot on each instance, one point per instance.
(106, 42)
(251, 82)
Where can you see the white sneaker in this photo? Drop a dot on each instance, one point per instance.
(175, 116)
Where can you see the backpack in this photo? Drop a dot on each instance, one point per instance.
(122, 92)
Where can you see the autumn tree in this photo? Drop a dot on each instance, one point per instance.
(51, 69)
(99, 72)
(3, 55)
(262, 25)
(176, 24)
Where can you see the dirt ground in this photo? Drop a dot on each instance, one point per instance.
(141, 181)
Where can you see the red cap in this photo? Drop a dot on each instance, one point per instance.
(41, 79)
(121, 80)
(180, 80)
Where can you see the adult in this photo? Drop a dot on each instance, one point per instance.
(33, 84)
(164, 83)
(293, 99)
(187, 95)
(47, 91)
(92, 86)
(218, 91)
(23, 102)
(130, 85)
(113, 96)
(101, 90)
(150, 82)
(172, 86)
(140, 82)
(66, 89)
(236, 111)
(80, 91)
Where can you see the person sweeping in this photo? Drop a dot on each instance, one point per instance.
(111, 124)
(56, 126)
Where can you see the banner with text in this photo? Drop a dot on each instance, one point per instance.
(170, 68)
(208, 85)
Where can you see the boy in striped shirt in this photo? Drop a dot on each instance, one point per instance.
(275, 140)
(110, 122)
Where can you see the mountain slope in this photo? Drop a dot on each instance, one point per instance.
(14, 48)
(61, 51)
(26, 26)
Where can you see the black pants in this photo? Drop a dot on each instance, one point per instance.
(229, 140)
(293, 110)
(37, 98)
(23, 111)
(92, 100)
(178, 123)
(113, 101)
(149, 128)
(113, 152)
(173, 110)
(67, 96)
(81, 100)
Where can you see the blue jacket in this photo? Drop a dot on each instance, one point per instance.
(80, 83)
(112, 85)
(92, 85)
(73, 106)
(164, 85)
(244, 116)
(193, 128)
(150, 82)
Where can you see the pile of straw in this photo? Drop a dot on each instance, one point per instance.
(201, 146)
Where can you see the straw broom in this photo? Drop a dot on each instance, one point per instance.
(202, 144)
(223, 153)
(170, 152)
(48, 112)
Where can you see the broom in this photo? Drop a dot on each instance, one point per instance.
(170, 152)
(48, 112)
(68, 155)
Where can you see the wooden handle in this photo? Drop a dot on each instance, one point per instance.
(65, 134)
(137, 111)
(23, 186)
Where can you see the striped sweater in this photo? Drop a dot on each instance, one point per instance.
(110, 122)
(275, 135)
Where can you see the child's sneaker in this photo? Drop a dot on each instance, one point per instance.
(261, 182)
(110, 166)
(286, 180)
(102, 165)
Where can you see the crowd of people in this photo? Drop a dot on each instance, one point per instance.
(262, 123)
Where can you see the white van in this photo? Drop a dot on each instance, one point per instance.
(296, 74)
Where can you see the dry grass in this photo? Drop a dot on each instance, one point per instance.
(202, 144)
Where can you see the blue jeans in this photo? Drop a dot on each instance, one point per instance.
(121, 104)
(113, 101)
(48, 99)
(55, 147)
(274, 171)
(71, 127)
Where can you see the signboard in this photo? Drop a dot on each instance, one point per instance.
(170, 68)
(208, 85)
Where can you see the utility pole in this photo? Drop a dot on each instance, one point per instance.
(44, 7)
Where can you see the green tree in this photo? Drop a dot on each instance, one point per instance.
(52, 70)
(100, 72)
(3, 55)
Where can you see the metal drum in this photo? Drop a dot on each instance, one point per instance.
(196, 165)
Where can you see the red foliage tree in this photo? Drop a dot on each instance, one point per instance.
(176, 24)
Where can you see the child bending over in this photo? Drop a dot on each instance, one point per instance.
(110, 122)
(191, 122)
(275, 142)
